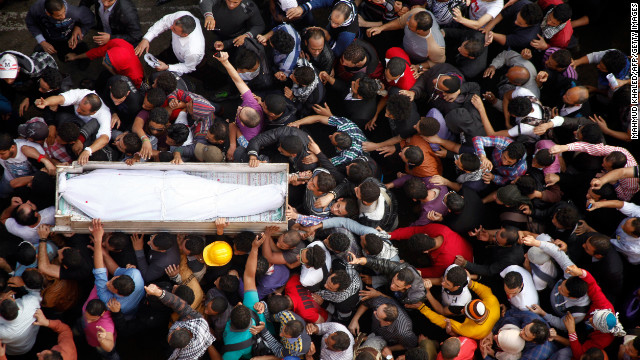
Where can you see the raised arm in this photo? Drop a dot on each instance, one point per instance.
(233, 73)
(44, 265)
(249, 276)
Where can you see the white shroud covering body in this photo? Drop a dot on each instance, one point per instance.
(154, 195)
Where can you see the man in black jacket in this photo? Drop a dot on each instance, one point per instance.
(357, 97)
(122, 21)
(292, 145)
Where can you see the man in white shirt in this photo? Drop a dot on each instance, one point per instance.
(87, 105)
(14, 158)
(316, 265)
(337, 341)
(187, 41)
(17, 330)
(22, 219)
(519, 287)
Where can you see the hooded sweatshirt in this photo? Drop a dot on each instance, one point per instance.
(122, 57)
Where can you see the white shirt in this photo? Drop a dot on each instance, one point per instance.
(20, 334)
(529, 295)
(564, 110)
(103, 115)
(19, 166)
(310, 276)
(28, 233)
(477, 8)
(626, 244)
(526, 129)
(189, 50)
(461, 299)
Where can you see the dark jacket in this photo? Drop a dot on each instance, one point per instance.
(274, 136)
(39, 23)
(360, 111)
(389, 220)
(129, 108)
(471, 216)
(470, 68)
(416, 293)
(264, 79)
(501, 257)
(372, 68)
(233, 23)
(123, 21)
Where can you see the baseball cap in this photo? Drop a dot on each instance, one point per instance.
(35, 129)
(8, 66)
(208, 153)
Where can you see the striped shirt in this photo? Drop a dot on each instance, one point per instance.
(340, 296)
(400, 331)
(287, 62)
(504, 174)
(328, 328)
(287, 347)
(625, 188)
(357, 138)
(569, 72)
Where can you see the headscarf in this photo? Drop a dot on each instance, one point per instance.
(550, 31)
(605, 321)
(352, 16)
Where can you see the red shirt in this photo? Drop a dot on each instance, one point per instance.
(562, 38)
(406, 81)
(303, 303)
(122, 57)
(467, 349)
(453, 244)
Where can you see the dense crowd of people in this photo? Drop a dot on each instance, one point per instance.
(456, 189)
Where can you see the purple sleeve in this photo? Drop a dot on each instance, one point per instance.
(399, 182)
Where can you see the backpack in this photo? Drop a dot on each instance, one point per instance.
(258, 344)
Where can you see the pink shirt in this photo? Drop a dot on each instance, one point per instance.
(554, 168)
(90, 329)
(249, 101)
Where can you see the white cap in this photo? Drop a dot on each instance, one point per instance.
(8, 66)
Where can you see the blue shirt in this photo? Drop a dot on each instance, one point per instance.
(128, 304)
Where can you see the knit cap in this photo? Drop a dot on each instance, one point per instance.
(475, 310)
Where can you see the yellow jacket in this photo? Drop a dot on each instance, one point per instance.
(470, 328)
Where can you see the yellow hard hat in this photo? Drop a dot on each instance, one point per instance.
(218, 253)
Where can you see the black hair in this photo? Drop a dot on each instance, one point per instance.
(219, 304)
(164, 240)
(454, 202)
(25, 217)
(95, 101)
(406, 275)
(185, 293)
(26, 253)
(69, 131)
(396, 66)
(326, 182)
(635, 223)
(282, 42)
(339, 242)
(343, 140)
(520, 106)
(414, 155)
(452, 84)
(157, 96)
(262, 266)
(118, 241)
(294, 328)
(180, 338)
(526, 184)
(52, 77)
(593, 353)
(276, 103)
(600, 243)
(351, 207)
(246, 59)
(72, 258)
(292, 238)
(428, 126)
(341, 278)
(474, 44)
(95, 307)
(9, 309)
(591, 133)
(368, 88)
(53, 355)
(244, 240)
(343, 9)
(6, 141)
(469, 161)
(562, 12)
(424, 21)
(358, 171)
(165, 156)
(304, 75)
(178, 133)
(513, 280)
(292, 144)
(531, 14)
(576, 287)
(240, 317)
(399, 106)
(606, 192)
(562, 58)
(229, 283)
(277, 303)
(119, 88)
(341, 341)
(132, 143)
(219, 129)
(312, 33)
(457, 275)
(567, 216)
(32, 279)
(195, 244)
(166, 81)
(540, 331)
(354, 53)
(159, 116)
(415, 189)
(52, 6)
(187, 23)
(510, 234)
(614, 61)
(124, 285)
(316, 257)
(373, 244)
(369, 191)
(516, 150)
(544, 158)
(617, 159)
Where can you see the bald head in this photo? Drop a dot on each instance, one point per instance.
(577, 95)
(518, 75)
(450, 348)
